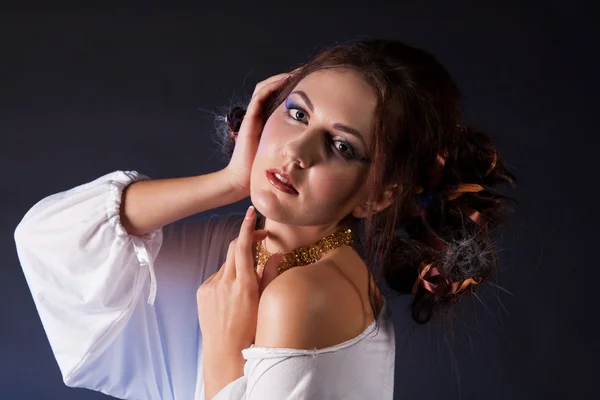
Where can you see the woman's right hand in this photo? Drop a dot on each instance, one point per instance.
(246, 143)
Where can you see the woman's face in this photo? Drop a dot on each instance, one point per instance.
(318, 136)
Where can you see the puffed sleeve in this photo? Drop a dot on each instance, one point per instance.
(119, 310)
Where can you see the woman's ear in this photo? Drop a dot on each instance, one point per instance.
(384, 201)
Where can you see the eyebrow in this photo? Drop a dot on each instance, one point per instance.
(336, 126)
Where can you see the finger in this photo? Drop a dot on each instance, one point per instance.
(244, 260)
(252, 123)
(210, 278)
(227, 271)
(230, 259)
(274, 78)
(261, 85)
(259, 97)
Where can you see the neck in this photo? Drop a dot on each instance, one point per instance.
(285, 238)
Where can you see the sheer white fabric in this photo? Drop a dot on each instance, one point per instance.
(120, 310)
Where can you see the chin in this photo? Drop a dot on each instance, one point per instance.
(269, 204)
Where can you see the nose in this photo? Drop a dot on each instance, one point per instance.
(306, 148)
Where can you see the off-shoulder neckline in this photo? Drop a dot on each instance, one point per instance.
(268, 352)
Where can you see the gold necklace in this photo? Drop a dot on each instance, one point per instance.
(304, 255)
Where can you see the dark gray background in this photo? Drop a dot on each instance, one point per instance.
(87, 91)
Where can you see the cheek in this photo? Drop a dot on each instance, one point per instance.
(268, 153)
(269, 138)
(338, 186)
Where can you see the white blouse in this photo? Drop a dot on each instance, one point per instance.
(121, 317)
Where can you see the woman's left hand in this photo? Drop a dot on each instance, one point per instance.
(228, 300)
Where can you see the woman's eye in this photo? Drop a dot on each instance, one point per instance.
(297, 114)
(345, 149)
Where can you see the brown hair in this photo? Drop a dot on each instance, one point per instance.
(417, 118)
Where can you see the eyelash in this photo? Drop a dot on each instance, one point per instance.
(352, 154)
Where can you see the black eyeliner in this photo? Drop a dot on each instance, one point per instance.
(289, 104)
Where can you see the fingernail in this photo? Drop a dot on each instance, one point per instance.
(250, 212)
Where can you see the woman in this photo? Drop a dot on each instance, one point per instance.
(360, 143)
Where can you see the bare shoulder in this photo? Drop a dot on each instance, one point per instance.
(309, 307)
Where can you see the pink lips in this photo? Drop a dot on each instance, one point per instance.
(288, 188)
